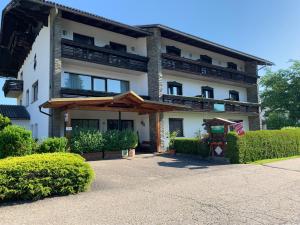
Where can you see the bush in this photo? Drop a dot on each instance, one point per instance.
(51, 145)
(85, 141)
(42, 175)
(191, 146)
(264, 144)
(4, 122)
(16, 141)
(116, 140)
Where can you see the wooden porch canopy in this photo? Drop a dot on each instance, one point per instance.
(126, 102)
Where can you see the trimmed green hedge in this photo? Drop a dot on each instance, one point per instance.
(37, 176)
(264, 144)
(191, 146)
(55, 144)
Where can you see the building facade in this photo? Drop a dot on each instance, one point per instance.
(52, 51)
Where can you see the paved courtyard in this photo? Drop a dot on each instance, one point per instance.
(164, 190)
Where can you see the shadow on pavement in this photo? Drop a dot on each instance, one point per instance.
(190, 162)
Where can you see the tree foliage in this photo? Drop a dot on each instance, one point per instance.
(281, 96)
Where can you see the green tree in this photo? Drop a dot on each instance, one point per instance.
(4, 122)
(281, 96)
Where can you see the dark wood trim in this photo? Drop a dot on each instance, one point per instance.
(76, 92)
(105, 56)
(207, 104)
(12, 86)
(171, 62)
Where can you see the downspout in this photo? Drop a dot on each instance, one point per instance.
(48, 114)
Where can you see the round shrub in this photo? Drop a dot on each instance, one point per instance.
(51, 145)
(15, 141)
(38, 176)
(4, 122)
(85, 141)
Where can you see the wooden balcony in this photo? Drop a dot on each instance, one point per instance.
(171, 62)
(213, 105)
(69, 92)
(101, 55)
(12, 88)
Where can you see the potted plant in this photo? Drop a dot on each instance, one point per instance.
(172, 136)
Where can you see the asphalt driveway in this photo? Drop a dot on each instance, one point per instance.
(163, 190)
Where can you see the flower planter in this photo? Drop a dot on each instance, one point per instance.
(172, 151)
(93, 156)
(131, 153)
(113, 155)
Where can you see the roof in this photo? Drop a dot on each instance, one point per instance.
(190, 39)
(126, 102)
(22, 20)
(14, 112)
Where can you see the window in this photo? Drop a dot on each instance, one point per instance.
(21, 75)
(34, 62)
(27, 97)
(234, 95)
(231, 65)
(118, 47)
(35, 91)
(83, 39)
(86, 82)
(172, 50)
(174, 88)
(99, 84)
(117, 86)
(34, 130)
(89, 124)
(76, 81)
(176, 125)
(207, 92)
(125, 124)
(206, 59)
(21, 102)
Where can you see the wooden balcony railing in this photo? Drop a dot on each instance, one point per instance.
(181, 64)
(12, 88)
(101, 55)
(213, 105)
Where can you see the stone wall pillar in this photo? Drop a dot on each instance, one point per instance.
(255, 122)
(55, 69)
(155, 82)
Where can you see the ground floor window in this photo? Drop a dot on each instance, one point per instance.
(125, 124)
(90, 124)
(176, 124)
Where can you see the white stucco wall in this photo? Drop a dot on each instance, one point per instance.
(141, 122)
(192, 121)
(192, 87)
(194, 53)
(40, 48)
(103, 37)
(138, 82)
(22, 123)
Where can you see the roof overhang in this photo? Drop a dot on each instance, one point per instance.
(126, 102)
(189, 39)
(22, 21)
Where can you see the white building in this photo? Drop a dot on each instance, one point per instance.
(52, 51)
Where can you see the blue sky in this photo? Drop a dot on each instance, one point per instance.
(265, 28)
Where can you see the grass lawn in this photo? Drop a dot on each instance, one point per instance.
(265, 161)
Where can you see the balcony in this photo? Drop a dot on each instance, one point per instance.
(69, 92)
(104, 56)
(181, 64)
(213, 105)
(12, 88)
